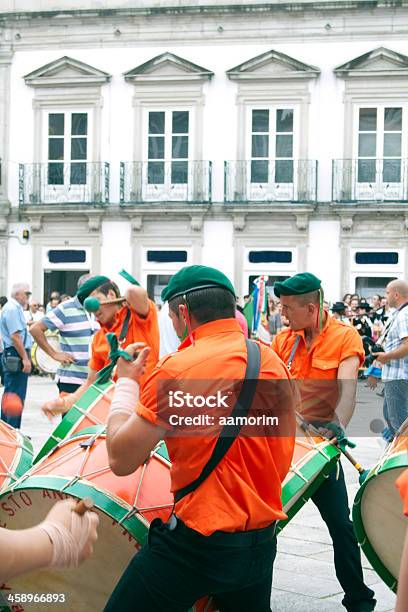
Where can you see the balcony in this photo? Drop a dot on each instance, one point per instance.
(63, 183)
(370, 180)
(165, 181)
(279, 180)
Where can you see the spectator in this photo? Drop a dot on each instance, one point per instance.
(3, 300)
(353, 307)
(55, 299)
(76, 328)
(347, 298)
(362, 321)
(339, 312)
(32, 313)
(65, 297)
(275, 319)
(394, 359)
(17, 344)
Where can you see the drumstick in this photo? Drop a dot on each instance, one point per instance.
(308, 427)
(83, 505)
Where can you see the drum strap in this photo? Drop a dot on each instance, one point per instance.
(293, 353)
(125, 327)
(229, 433)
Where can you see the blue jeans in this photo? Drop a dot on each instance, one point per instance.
(14, 382)
(396, 403)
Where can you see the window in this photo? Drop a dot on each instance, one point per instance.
(167, 256)
(168, 147)
(270, 256)
(376, 258)
(272, 145)
(67, 148)
(155, 285)
(67, 256)
(368, 286)
(379, 138)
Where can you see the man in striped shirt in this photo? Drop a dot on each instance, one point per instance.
(76, 328)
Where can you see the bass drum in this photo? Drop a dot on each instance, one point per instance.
(91, 409)
(378, 517)
(313, 459)
(126, 505)
(41, 360)
(16, 455)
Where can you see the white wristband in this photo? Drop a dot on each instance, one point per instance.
(125, 397)
(67, 544)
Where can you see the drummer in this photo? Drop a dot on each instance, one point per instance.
(221, 539)
(319, 349)
(133, 320)
(64, 539)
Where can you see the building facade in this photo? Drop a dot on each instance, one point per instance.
(258, 138)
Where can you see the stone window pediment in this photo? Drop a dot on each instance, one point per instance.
(381, 62)
(167, 67)
(272, 65)
(66, 72)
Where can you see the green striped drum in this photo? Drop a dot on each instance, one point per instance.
(16, 455)
(91, 409)
(314, 458)
(378, 517)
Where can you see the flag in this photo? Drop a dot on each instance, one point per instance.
(260, 303)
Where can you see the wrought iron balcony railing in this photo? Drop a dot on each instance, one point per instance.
(279, 180)
(63, 183)
(370, 180)
(165, 181)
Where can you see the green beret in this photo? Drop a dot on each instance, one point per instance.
(90, 285)
(193, 278)
(297, 285)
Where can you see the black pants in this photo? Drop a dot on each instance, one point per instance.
(176, 568)
(64, 387)
(332, 502)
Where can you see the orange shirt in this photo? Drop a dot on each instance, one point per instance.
(317, 367)
(244, 490)
(402, 484)
(140, 330)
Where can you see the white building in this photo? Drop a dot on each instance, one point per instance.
(258, 138)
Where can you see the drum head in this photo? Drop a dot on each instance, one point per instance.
(87, 587)
(379, 521)
(42, 360)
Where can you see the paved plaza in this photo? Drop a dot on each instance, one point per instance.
(304, 578)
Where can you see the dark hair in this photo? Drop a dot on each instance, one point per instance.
(109, 286)
(207, 304)
(3, 300)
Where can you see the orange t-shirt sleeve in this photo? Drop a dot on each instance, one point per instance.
(97, 361)
(352, 345)
(148, 323)
(148, 405)
(402, 485)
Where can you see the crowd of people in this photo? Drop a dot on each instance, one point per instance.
(200, 551)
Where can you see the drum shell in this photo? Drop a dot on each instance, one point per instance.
(91, 409)
(378, 519)
(16, 455)
(121, 533)
(314, 458)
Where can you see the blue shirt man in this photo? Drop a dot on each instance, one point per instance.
(395, 358)
(17, 343)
